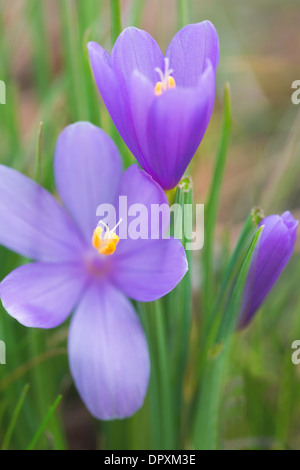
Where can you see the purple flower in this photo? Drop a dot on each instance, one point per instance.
(270, 257)
(160, 105)
(108, 352)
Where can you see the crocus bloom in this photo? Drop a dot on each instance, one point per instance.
(107, 348)
(271, 255)
(161, 105)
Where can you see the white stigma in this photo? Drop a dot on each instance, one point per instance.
(164, 75)
(107, 230)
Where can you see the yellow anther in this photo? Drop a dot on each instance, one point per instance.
(106, 243)
(158, 90)
(166, 80)
(171, 82)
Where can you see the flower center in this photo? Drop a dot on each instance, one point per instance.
(166, 80)
(105, 241)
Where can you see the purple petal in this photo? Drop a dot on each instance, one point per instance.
(108, 354)
(141, 98)
(42, 295)
(87, 170)
(140, 192)
(136, 50)
(270, 257)
(114, 94)
(177, 122)
(146, 269)
(189, 51)
(152, 271)
(33, 223)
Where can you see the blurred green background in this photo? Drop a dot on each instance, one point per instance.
(44, 63)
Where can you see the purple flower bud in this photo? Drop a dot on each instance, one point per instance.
(270, 257)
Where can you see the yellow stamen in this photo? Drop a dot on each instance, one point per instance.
(166, 81)
(105, 244)
(158, 90)
(171, 82)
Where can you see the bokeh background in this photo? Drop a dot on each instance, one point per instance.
(44, 63)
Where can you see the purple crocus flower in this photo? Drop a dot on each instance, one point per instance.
(74, 271)
(160, 105)
(271, 255)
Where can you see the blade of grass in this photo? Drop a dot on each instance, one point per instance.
(212, 205)
(38, 161)
(14, 418)
(44, 423)
(74, 61)
(179, 303)
(205, 433)
(41, 60)
(116, 22)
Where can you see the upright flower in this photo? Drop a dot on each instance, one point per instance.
(161, 105)
(271, 255)
(79, 267)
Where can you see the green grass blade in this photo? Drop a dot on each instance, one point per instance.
(38, 161)
(116, 22)
(14, 418)
(43, 426)
(212, 205)
(38, 29)
(205, 435)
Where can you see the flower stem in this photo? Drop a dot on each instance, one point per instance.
(206, 423)
(160, 391)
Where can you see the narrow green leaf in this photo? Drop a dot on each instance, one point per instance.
(231, 269)
(205, 435)
(162, 394)
(44, 423)
(40, 45)
(38, 160)
(179, 301)
(212, 205)
(116, 23)
(14, 418)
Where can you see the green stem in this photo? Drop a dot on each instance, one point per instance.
(160, 390)
(206, 427)
(163, 366)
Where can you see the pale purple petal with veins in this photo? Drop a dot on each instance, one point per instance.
(88, 170)
(33, 223)
(42, 295)
(108, 354)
